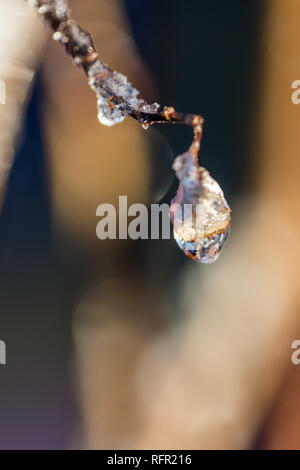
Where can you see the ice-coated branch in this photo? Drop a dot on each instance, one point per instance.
(202, 236)
(117, 98)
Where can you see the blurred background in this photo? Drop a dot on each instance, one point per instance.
(129, 344)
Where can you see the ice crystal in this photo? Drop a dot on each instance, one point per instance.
(116, 96)
(199, 212)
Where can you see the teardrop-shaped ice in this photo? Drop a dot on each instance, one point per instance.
(199, 212)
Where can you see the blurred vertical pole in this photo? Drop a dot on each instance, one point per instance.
(279, 148)
(21, 42)
(36, 393)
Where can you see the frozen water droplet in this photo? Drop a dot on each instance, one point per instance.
(205, 250)
(107, 114)
(116, 96)
(199, 212)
